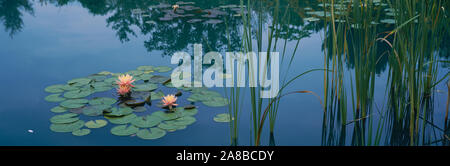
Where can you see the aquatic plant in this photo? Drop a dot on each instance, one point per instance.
(169, 101)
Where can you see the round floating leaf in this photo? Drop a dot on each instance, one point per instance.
(64, 118)
(81, 132)
(102, 101)
(96, 124)
(145, 68)
(54, 98)
(157, 95)
(55, 88)
(79, 81)
(58, 109)
(67, 127)
(225, 117)
(162, 69)
(145, 77)
(184, 121)
(95, 110)
(145, 87)
(123, 119)
(166, 115)
(119, 112)
(140, 109)
(157, 79)
(102, 88)
(111, 81)
(70, 88)
(146, 121)
(153, 133)
(77, 94)
(216, 102)
(124, 130)
(104, 73)
(189, 112)
(134, 72)
(74, 103)
(170, 126)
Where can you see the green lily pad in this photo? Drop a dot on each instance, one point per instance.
(170, 126)
(166, 115)
(95, 110)
(75, 94)
(97, 78)
(139, 109)
(122, 120)
(81, 132)
(67, 127)
(162, 69)
(54, 98)
(96, 124)
(102, 101)
(135, 73)
(58, 109)
(157, 95)
(104, 73)
(111, 81)
(70, 88)
(143, 68)
(153, 133)
(122, 111)
(145, 77)
(146, 121)
(74, 103)
(124, 130)
(157, 79)
(217, 102)
(79, 81)
(64, 118)
(189, 112)
(225, 117)
(145, 87)
(184, 121)
(55, 88)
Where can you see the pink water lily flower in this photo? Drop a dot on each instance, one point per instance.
(125, 80)
(169, 100)
(123, 90)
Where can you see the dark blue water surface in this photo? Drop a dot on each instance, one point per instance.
(51, 42)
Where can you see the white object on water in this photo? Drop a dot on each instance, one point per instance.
(30, 131)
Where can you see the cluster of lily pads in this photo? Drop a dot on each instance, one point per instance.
(141, 114)
(341, 9)
(187, 10)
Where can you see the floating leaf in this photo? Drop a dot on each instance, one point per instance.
(143, 68)
(102, 101)
(95, 110)
(81, 132)
(104, 73)
(184, 121)
(153, 133)
(124, 130)
(157, 79)
(58, 109)
(74, 103)
(77, 94)
(146, 121)
(55, 88)
(166, 115)
(122, 120)
(216, 102)
(70, 88)
(189, 112)
(139, 109)
(67, 127)
(145, 87)
(96, 124)
(64, 118)
(119, 112)
(225, 117)
(79, 81)
(54, 98)
(157, 95)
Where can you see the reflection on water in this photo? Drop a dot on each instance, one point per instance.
(218, 26)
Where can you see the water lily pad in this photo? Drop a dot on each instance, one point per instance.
(67, 127)
(157, 95)
(189, 112)
(64, 118)
(217, 102)
(58, 109)
(104, 73)
(145, 87)
(96, 124)
(74, 103)
(167, 115)
(135, 73)
(122, 120)
(143, 68)
(225, 117)
(70, 88)
(146, 121)
(139, 109)
(145, 77)
(102, 101)
(97, 78)
(54, 98)
(124, 130)
(153, 133)
(157, 79)
(81, 132)
(122, 111)
(111, 81)
(168, 126)
(75, 94)
(55, 88)
(184, 121)
(79, 81)
(95, 110)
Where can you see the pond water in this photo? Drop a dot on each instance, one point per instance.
(49, 42)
